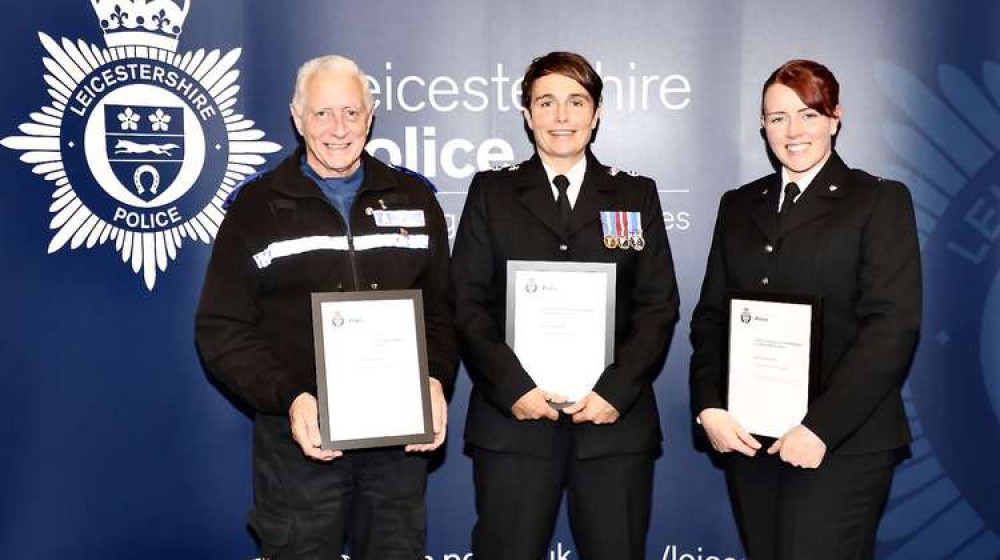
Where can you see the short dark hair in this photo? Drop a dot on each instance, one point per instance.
(568, 64)
(811, 81)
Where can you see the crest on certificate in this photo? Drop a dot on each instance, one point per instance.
(531, 286)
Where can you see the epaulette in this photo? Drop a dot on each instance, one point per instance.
(413, 173)
(233, 194)
(612, 171)
(506, 166)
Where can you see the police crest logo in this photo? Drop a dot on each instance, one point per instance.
(531, 287)
(943, 501)
(745, 316)
(141, 142)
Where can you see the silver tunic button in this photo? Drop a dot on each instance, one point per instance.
(764, 281)
(769, 248)
(374, 286)
(563, 248)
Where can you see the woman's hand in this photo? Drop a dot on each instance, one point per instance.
(726, 434)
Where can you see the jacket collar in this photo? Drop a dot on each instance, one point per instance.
(295, 184)
(535, 193)
(818, 200)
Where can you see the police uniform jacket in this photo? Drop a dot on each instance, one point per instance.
(511, 214)
(281, 241)
(851, 239)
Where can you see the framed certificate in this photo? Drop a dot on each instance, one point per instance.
(371, 369)
(773, 359)
(561, 322)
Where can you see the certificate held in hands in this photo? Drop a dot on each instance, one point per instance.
(773, 360)
(371, 369)
(560, 322)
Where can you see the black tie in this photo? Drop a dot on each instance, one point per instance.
(562, 185)
(791, 191)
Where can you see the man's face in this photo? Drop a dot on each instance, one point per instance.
(799, 136)
(562, 118)
(334, 123)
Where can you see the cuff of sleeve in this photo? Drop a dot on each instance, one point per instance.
(822, 432)
(506, 396)
(287, 393)
(622, 398)
(444, 374)
(706, 399)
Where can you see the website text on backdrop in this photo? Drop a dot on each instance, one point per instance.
(527, 444)
(305, 227)
(850, 239)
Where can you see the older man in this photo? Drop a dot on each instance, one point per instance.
(254, 328)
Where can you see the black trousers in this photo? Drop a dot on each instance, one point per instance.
(305, 509)
(829, 513)
(518, 496)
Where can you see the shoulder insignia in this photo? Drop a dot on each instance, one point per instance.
(613, 171)
(233, 194)
(633, 173)
(506, 166)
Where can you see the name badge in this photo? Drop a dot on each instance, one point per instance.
(399, 218)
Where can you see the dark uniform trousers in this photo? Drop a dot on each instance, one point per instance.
(790, 513)
(373, 497)
(518, 496)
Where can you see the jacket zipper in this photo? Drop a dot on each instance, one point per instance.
(346, 221)
(354, 264)
(350, 242)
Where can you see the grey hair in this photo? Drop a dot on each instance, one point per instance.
(329, 63)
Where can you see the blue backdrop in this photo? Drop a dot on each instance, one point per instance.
(117, 446)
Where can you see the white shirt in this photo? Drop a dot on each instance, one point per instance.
(575, 176)
(803, 181)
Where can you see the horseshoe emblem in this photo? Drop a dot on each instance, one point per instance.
(143, 170)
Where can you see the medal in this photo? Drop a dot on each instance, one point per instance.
(635, 230)
(621, 228)
(609, 230)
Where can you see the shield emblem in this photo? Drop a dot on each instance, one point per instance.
(145, 146)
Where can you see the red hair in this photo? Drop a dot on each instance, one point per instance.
(811, 81)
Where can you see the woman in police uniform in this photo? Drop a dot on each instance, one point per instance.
(850, 238)
(601, 448)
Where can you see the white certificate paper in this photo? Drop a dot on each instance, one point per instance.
(371, 369)
(770, 344)
(560, 322)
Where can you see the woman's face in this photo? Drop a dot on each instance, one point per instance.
(799, 136)
(562, 118)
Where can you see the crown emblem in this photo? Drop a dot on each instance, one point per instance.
(149, 23)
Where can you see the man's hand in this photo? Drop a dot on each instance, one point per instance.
(439, 414)
(304, 417)
(534, 405)
(592, 408)
(726, 434)
(800, 447)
